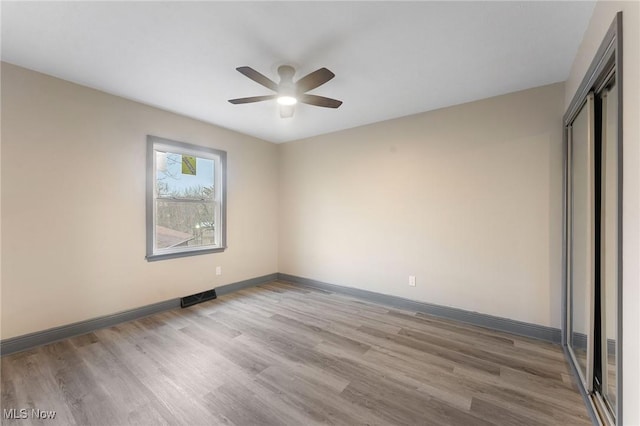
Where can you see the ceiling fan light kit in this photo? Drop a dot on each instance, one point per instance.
(287, 100)
(288, 93)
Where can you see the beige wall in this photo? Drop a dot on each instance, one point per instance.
(603, 15)
(73, 205)
(0, 203)
(467, 199)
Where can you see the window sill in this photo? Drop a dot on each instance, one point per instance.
(164, 256)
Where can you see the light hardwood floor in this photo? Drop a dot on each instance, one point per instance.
(281, 354)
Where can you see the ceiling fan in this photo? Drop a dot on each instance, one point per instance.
(289, 93)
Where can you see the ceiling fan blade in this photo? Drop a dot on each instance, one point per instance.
(258, 78)
(252, 99)
(320, 101)
(313, 80)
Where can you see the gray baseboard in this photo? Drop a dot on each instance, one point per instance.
(580, 341)
(535, 331)
(252, 282)
(39, 338)
(32, 340)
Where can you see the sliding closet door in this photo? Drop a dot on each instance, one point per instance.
(581, 244)
(609, 250)
(593, 230)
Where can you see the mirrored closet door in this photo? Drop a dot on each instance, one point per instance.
(593, 234)
(581, 227)
(609, 246)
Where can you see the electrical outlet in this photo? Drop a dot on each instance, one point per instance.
(412, 280)
(218, 270)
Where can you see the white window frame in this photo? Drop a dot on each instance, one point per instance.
(155, 144)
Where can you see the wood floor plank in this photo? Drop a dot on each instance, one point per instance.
(81, 390)
(500, 416)
(319, 402)
(451, 355)
(283, 354)
(417, 378)
(544, 405)
(503, 358)
(342, 341)
(402, 405)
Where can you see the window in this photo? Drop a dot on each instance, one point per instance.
(186, 194)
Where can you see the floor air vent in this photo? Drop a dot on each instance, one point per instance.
(187, 301)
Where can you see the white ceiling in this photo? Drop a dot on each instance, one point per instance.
(391, 59)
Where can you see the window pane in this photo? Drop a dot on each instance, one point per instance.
(184, 223)
(184, 176)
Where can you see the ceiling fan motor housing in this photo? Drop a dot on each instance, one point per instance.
(286, 86)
